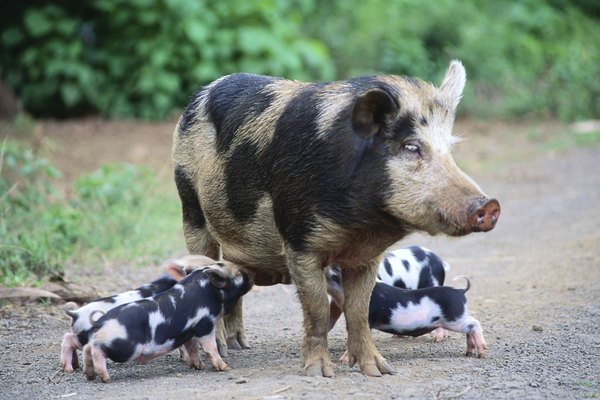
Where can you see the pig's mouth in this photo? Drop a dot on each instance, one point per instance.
(451, 227)
(481, 216)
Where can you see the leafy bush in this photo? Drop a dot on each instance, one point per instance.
(120, 212)
(143, 58)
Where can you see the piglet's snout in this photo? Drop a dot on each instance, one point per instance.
(483, 214)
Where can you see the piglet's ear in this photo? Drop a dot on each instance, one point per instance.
(216, 277)
(369, 111)
(175, 270)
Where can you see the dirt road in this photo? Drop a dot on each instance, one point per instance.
(535, 290)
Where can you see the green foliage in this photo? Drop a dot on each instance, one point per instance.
(29, 219)
(537, 57)
(143, 58)
(119, 212)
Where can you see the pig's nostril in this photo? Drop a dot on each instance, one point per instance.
(486, 216)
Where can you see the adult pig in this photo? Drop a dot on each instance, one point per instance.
(286, 178)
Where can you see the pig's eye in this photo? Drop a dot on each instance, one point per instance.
(412, 147)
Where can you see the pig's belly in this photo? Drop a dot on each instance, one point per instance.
(255, 244)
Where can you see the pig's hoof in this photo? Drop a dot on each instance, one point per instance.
(325, 369)
(377, 369)
(197, 365)
(105, 379)
(90, 377)
(238, 342)
(233, 343)
(371, 370)
(222, 349)
(438, 335)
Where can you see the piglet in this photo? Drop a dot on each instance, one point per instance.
(81, 326)
(146, 329)
(414, 267)
(417, 312)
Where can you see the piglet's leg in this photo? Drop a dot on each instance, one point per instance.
(209, 345)
(438, 335)
(100, 363)
(68, 353)
(190, 354)
(475, 341)
(88, 363)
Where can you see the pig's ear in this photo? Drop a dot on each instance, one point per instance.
(369, 111)
(216, 277)
(454, 83)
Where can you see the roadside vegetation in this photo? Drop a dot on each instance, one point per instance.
(143, 59)
(118, 212)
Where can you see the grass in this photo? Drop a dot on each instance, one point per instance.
(119, 212)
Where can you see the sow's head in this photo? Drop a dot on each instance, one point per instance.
(413, 120)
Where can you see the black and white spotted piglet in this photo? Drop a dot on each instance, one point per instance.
(413, 267)
(146, 329)
(419, 311)
(81, 326)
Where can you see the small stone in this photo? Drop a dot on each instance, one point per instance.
(538, 328)
(534, 384)
(241, 380)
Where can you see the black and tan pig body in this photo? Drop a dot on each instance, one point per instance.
(287, 177)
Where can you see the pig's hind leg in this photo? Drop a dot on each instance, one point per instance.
(475, 339)
(474, 334)
(88, 363)
(190, 354)
(99, 362)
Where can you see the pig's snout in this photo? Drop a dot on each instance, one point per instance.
(483, 215)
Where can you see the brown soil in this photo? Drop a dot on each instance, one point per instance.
(535, 290)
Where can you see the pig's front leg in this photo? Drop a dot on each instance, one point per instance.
(231, 332)
(221, 336)
(358, 284)
(68, 352)
(307, 273)
(209, 345)
(439, 334)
